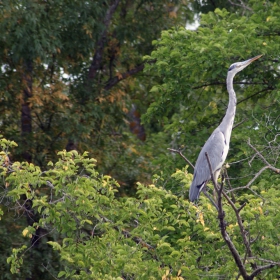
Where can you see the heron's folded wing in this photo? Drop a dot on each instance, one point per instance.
(215, 147)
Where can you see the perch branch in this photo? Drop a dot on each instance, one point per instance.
(221, 217)
(246, 242)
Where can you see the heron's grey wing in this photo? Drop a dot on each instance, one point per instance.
(217, 149)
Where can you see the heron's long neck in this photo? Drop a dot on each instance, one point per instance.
(227, 122)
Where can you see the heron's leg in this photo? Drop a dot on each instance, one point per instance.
(209, 197)
(216, 176)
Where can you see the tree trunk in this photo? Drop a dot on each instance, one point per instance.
(26, 120)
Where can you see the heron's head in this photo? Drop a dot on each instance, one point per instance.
(239, 66)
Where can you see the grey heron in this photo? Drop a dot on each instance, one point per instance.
(217, 145)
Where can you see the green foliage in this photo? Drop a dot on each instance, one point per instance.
(156, 234)
(190, 97)
(15, 260)
(80, 56)
(85, 224)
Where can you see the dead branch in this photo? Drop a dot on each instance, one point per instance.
(259, 92)
(180, 153)
(260, 269)
(243, 232)
(229, 184)
(258, 153)
(268, 166)
(246, 241)
(221, 217)
(240, 123)
(242, 5)
(276, 170)
(265, 260)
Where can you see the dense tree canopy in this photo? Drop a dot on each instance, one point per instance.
(191, 98)
(75, 78)
(68, 75)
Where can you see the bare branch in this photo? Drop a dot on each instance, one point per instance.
(241, 207)
(243, 232)
(229, 243)
(238, 124)
(221, 217)
(266, 261)
(255, 239)
(261, 91)
(180, 153)
(268, 166)
(229, 184)
(251, 181)
(208, 84)
(242, 5)
(260, 269)
(46, 268)
(217, 83)
(258, 153)
(256, 176)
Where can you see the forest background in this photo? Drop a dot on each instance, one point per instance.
(94, 94)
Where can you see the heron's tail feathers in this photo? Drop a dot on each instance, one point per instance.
(195, 191)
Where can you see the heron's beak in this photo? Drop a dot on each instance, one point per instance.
(247, 62)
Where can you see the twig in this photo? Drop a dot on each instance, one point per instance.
(238, 124)
(258, 153)
(180, 153)
(276, 170)
(241, 5)
(256, 176)
(260, 269)
(261, 91)
(49, 271)
(241, 207)
(255, 239)
(265, 260)
(229, 184)
(40, 237)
